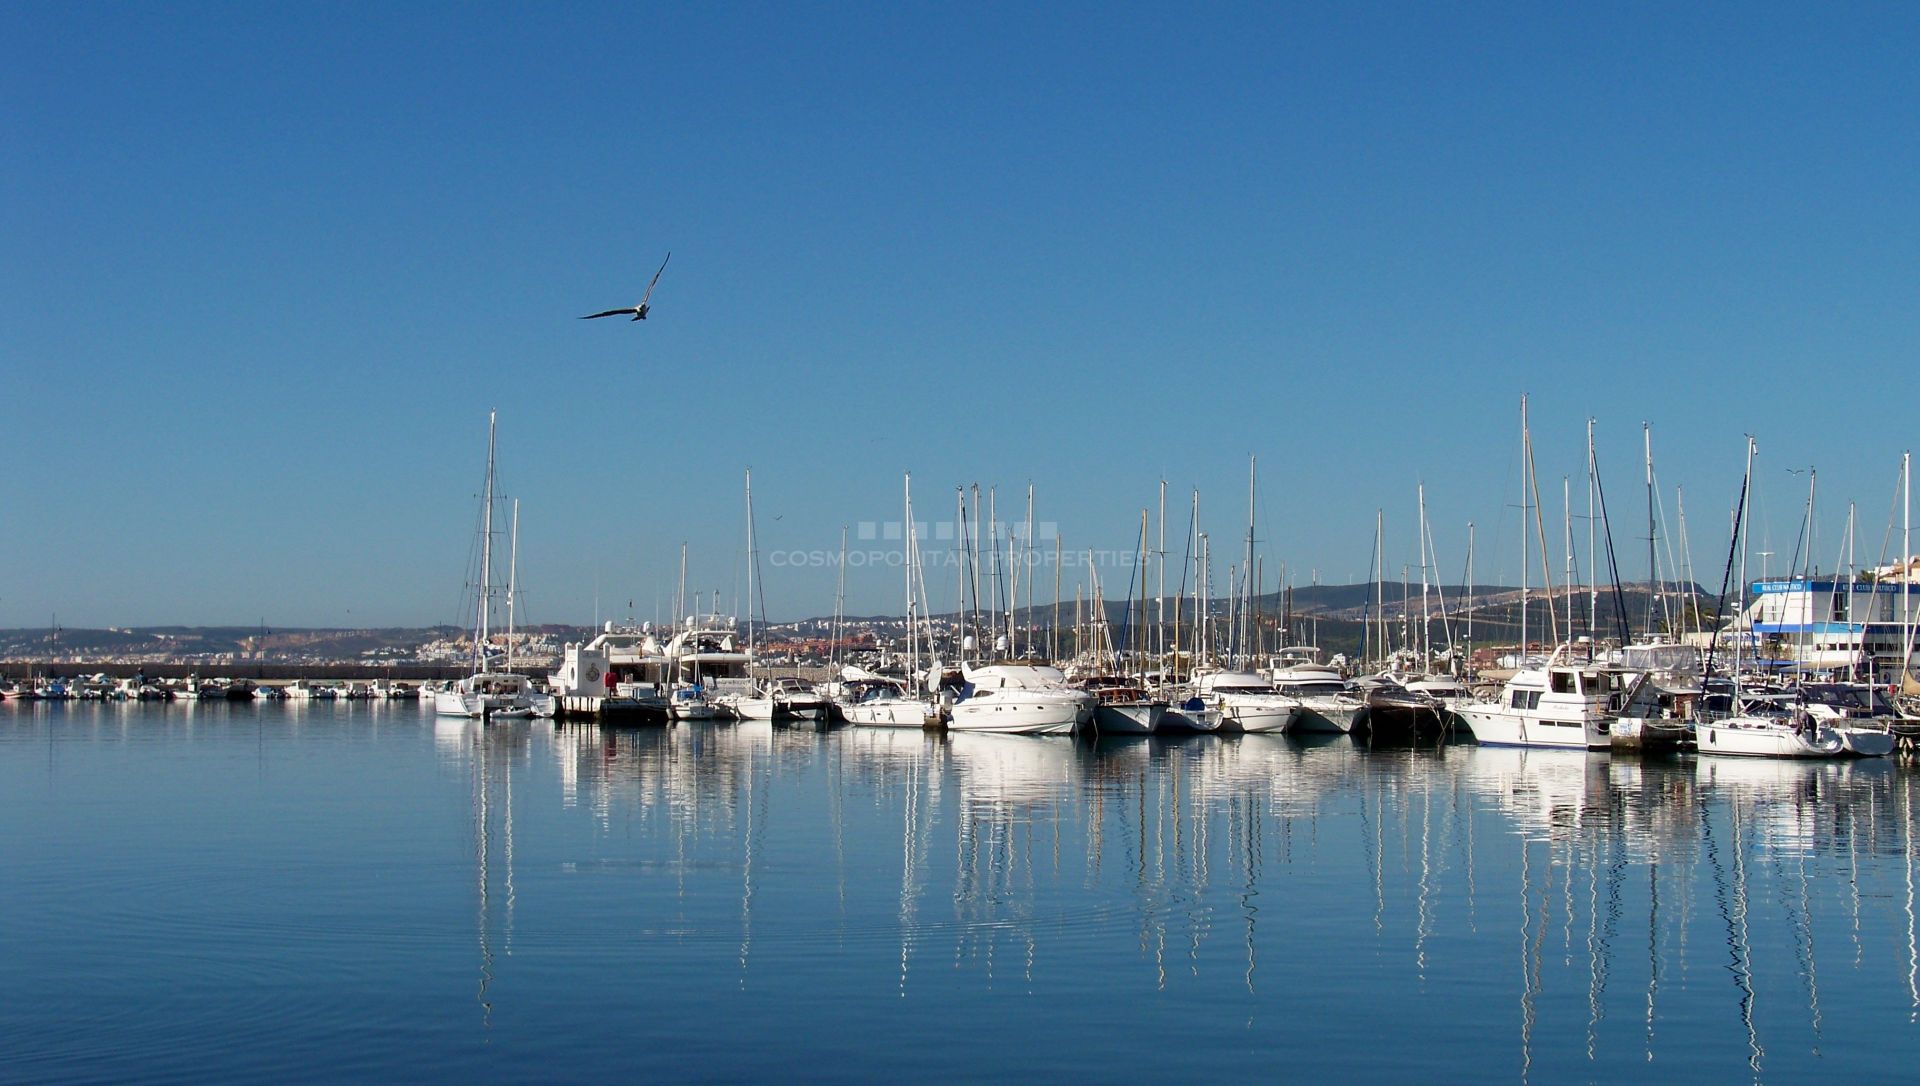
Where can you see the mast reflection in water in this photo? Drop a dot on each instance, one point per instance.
(514, 900)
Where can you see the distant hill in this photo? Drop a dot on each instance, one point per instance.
(1331, 615)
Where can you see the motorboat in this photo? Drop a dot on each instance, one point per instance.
(1019, 698)
(1327, 703)
(1245, 701)
(621, 668)
(783, 697)
(1121, 704)
(1398, 711)
(1558, 705)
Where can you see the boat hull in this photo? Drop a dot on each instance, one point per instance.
(1017, 716)
(1180, 719)
(1499, 728)
(1129, 718)
(1325, 717)
(888, 713)
(1747, 738)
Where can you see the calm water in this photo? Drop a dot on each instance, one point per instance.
(364, 892)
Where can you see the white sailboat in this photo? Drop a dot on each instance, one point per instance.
(484, 693)
(1791, 733)
(879, 702)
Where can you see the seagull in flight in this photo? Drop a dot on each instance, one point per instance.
(639, 311)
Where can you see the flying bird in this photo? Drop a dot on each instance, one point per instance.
(639, 311)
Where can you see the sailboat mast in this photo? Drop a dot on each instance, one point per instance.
(913, 545)
(1135, 639)
(753, 559)
(1053, 633)
(1380, 584)
(1160, 592)
(1243, 627)
(483, 622)
(1566, 517)
(1426, 614)
(680, 595)
(513, 575)
(840, 596)
(1653, 555)
(1745, 518)
(1469, 634)
(1593, 555)
(1526, 512)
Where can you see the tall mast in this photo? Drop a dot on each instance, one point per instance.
(840, 594)
(680, 597)
(1653, 556)
(1053, 633)
(1380, 585)
(1593, 556)
(483, 622)
(913, 621)
(1686, 557)
(1469, 634)
(1746, 514)
(1024, 574)
(753, 556)
(1426, 614)
(1526, 469)
(1566, 516)
(1854, 672)
(1160, 592)
(1136, 634)
(1906, 564)
(1243, 627)
(513, 576)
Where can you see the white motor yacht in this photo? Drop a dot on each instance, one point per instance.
(1122, 705)
(621, 668)
(1327, 703)
(1019, 698)
(1560, 705)
(1245, 701)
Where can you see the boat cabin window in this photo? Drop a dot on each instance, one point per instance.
(1526, 699)
(1562, 682)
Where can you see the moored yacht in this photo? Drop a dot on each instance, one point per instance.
(1559, 705)
(622, 668)
(705, 665)
(1327, 705)
(781, 697)
(1019, 698)
(1246, 702)
(493, 693)
(880, 702)
(1122, 706)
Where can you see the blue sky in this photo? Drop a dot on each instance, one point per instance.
(268, 268)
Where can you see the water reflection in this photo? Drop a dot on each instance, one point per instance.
(1621, 911)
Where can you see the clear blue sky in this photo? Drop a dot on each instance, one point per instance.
(268, 267)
